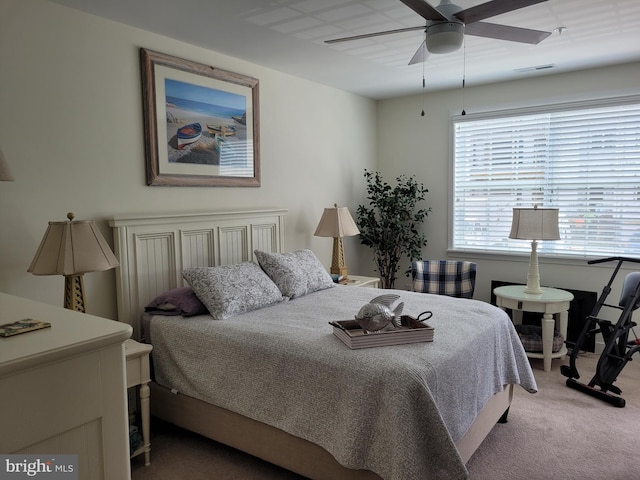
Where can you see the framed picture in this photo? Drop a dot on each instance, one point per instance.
(201, 124)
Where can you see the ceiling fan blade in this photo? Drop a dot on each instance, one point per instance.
(375, 34)
(504, 32)
(421, 54)
(425, 10)
(491, 9)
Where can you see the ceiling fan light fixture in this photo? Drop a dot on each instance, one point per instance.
(445, 37)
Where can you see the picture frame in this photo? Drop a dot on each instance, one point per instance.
(201, 124)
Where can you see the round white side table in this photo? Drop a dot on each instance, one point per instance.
(551, 302)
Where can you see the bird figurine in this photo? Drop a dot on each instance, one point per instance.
(377, 314)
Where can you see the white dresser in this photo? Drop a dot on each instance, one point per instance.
(63, 388)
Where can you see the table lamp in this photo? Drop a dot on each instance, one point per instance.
(337, 222)
(534, 224)
(72, 249)
(5, 173)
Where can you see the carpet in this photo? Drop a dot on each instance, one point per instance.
(557, 433)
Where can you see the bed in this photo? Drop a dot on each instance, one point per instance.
(276, 383)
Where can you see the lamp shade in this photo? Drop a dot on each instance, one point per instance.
(72, 248)
(5, 173)
(336, 222)
(535, 224)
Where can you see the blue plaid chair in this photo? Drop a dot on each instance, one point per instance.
(444, 277)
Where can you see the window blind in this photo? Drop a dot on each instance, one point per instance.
(583, 159)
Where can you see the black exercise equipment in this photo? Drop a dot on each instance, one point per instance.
(618, 349)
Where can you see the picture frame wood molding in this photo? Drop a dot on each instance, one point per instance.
(201, 123)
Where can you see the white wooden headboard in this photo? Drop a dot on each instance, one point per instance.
(154, 250)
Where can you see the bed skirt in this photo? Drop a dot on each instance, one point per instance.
(288, 451)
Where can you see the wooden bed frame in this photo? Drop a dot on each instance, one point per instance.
(153, 251)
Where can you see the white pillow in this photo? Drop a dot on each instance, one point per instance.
(228, 290)
(295, 273)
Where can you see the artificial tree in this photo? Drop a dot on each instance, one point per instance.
(390, 223)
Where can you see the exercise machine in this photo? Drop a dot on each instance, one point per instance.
(618, 349)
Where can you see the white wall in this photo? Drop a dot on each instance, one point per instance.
(71, 128)
(411, 144)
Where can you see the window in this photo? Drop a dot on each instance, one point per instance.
(582, 158)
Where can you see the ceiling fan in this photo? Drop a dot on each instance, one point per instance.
(447, 24)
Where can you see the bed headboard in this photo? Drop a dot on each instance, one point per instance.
(154, 250)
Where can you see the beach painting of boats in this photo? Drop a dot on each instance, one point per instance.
(201, 123)
(206, 126)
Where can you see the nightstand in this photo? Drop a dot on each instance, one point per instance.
(137, 355)
(361, 281)
(552, 301)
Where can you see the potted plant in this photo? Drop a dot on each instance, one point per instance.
(389, 225)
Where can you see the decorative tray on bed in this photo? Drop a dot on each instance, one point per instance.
(412, 331)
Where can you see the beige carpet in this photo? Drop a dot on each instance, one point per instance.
(557, 433)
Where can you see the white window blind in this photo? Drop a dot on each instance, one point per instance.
(582, 158)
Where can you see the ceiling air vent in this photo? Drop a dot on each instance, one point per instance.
(537, 67)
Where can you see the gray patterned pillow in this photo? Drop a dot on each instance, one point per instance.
(295, 273)
(228, 290)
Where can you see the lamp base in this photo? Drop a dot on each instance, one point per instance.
(74, 293)
(337, 258)
(533, 275)
(533, 290)
(339, 271)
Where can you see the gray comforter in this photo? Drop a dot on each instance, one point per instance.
(397, 410)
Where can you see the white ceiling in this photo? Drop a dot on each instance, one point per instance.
(288, 36)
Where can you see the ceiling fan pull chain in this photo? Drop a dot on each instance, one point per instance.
(464, 72)
(424, 84)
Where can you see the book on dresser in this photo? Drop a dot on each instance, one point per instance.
(22, 326)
